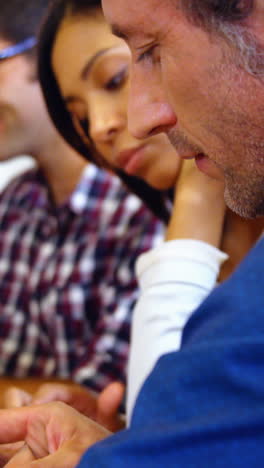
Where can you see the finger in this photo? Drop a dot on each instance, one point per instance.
(15, 398)
(14, 422)
(111, 398)
(51, 392)
(13, 425)
(108, 404)
(23, 458)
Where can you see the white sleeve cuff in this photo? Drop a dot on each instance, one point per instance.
(174, 279)
(180, 260)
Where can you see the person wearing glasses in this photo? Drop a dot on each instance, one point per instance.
(69, 237)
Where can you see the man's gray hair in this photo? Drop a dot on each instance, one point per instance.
(209, 12)
(227, 18)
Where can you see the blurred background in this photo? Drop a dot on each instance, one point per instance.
(13, 167)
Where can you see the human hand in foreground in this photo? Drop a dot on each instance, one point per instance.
(103, 408)
(55, 435)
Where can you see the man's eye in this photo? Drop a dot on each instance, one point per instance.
(117, 80)
(147, 55)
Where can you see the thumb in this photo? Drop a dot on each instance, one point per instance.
(108, 404)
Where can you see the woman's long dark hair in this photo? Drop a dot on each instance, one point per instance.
(154, 199)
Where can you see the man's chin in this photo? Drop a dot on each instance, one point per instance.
(245, 204)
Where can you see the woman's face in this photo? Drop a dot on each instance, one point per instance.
(91, 67)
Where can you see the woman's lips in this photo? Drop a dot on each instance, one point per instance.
(131, 159)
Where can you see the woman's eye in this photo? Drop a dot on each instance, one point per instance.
(117, 80)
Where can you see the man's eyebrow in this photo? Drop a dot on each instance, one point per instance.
(87, 67)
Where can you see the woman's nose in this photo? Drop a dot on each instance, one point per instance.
(106, 123)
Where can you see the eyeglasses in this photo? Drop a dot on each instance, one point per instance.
(18, 48)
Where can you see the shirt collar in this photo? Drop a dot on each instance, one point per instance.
(80, 197)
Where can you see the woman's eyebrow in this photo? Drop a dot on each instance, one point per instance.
(87, 67)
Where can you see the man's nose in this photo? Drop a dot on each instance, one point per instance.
(148, 110)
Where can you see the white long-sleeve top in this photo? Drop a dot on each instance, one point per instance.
(174, 279)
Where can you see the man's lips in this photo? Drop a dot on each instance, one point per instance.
(191, 156)
(205, 165)
(208, 167)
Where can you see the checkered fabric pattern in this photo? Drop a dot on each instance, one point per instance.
(67, 284)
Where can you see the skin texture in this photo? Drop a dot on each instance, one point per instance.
(54, 434)
(176, 88)
(101, 97)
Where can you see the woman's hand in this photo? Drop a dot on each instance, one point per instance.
(199, 207)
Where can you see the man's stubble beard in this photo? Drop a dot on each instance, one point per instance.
(182, 144)
(244, 194)
(244, 197)
(243, 164)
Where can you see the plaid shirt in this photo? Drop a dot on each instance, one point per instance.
(67, 284)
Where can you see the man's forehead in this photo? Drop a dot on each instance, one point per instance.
(127, 18)
(126, 32)
(145, 19)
